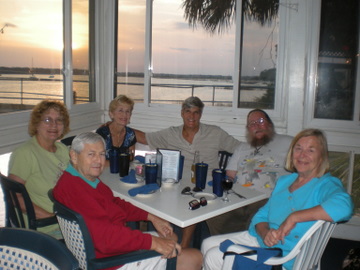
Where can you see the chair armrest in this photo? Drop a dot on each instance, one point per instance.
(123, 259)
(42, 222)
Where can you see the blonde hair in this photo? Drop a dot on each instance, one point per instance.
(325, 165)
(120, 99)
(43, 107)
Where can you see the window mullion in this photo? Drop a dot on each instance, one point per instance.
(148, 55)
(238, 49)
(67, 54)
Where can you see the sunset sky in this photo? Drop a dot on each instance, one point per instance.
(33, 36)
(33, 32)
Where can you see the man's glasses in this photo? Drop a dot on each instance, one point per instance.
(49, 121)
(260, 121)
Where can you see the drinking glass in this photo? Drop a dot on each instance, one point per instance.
(227, 184)
(124, 163)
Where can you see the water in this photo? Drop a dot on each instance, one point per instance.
(28, 89)
(22, 89)
(216, 92)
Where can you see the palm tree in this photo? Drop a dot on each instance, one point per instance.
(219, 14)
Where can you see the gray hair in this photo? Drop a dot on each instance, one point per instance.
(191, 102)
(85, 138)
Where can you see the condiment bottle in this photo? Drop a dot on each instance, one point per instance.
(196, 160)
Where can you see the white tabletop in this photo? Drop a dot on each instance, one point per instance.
(169, 204)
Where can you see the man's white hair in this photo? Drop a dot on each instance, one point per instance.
(80, 140)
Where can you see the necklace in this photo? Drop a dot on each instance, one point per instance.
(117, 136)
(257, 150)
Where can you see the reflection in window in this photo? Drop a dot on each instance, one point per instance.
(30, 52)
(131, 49)
(80, 51)
(338, 55)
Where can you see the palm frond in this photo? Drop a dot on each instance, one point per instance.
(219, 14)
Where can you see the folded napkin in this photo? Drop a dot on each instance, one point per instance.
(145, 189)
(140, 158)
(130, 178)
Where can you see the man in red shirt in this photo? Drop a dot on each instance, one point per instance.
(80, 189)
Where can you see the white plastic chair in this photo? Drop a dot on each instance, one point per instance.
(2, 208)
(308, 250)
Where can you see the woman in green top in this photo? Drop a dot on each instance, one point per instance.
(40, 161)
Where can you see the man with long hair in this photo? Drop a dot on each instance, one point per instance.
(255, 164)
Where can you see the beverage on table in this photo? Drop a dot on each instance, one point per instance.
(200, 175)
(196, 160)
(227, 184)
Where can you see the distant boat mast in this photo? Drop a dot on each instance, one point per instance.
(31, 70)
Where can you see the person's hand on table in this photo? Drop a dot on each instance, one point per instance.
(162, 226)
(167, 247)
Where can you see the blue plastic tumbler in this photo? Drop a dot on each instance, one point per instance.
(150, 173)
(114, 160)
(218, 176)
(200, 174)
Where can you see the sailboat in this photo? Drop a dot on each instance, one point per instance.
(31, 71)
(52, 75)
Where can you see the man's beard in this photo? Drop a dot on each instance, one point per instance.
(255, 142)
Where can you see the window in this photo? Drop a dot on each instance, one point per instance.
(186, 59)
(80, 52)
(131, 49)
(31, 52)
(338, 60)
(189, 61)
(258, 59)
(333, 100)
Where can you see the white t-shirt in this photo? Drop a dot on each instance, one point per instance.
(260, 169)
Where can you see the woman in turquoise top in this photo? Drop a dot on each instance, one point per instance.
(40, 161)
(310, 193)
